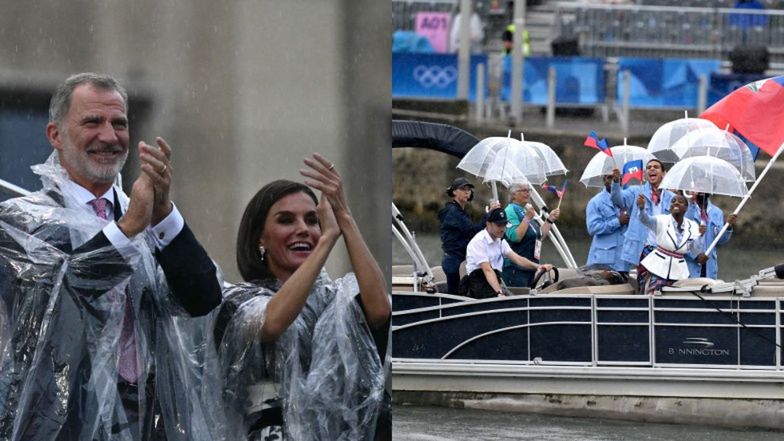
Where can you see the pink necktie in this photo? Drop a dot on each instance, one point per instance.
(127, 363)
(99, 205)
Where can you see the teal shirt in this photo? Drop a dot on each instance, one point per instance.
(527, 245)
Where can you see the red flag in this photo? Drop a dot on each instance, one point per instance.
(755, 111)
(554, 190)
(593, 141)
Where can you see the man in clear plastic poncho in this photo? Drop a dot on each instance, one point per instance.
(96, 287)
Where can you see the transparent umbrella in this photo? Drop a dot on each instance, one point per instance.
(525, 162)
(712, 141)
(553, 165)
(515, 162)
(478, 159)
(668, 134)
(505, 160)
(705, 174)
(505, 173)
(602, 164)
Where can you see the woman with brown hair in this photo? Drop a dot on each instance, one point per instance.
(289, 337)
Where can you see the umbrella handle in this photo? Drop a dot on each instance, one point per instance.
(494, 186)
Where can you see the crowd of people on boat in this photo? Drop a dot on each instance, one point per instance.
(657, 234)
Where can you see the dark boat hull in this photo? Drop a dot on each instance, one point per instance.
(592, 330)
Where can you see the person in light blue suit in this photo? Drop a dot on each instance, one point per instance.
(705, 213)
(606, 223)
(638, 239)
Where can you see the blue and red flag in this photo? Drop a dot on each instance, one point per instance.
(632, 173)
(554, 190)
(593, 141)
(755, 112)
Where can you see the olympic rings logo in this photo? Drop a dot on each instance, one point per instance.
(435, 76)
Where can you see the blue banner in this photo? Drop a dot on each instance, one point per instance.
(663, 82)
(722, 84)
(431, 76)
(579, 80)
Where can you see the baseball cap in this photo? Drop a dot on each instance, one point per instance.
(497, 216)
(457, 183)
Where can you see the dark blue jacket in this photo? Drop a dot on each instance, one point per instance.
(457, 229)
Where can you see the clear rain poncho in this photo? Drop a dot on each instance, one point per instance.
(325, 368)
(62, 294)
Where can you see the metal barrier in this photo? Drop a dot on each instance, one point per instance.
(669, 31)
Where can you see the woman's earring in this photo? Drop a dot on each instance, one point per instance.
(262, 251)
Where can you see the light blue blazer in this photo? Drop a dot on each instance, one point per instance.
(636, 232)
(715, 222)
(603, 224)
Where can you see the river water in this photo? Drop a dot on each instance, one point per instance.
(413, 423)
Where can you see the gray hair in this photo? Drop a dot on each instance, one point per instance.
(61, 100)
(517, 187)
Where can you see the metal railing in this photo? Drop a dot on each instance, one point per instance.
(751, 323)
(655, 31)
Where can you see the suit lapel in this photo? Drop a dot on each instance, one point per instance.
(117, 208)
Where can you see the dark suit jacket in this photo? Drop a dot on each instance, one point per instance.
(52, 296)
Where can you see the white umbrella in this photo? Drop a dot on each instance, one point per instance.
(668, 134)
(712, 141)
(705, 174)
(602, 164)
(504, 160)
(506, 172)
(553, 165)
(514, 162)
(482, 154)
(509, 161)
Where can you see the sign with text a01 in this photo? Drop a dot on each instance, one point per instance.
(435, 27)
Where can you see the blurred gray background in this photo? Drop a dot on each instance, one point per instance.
(243, 91)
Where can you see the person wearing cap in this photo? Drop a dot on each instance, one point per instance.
(456, 229)
(485, 258)
(525, 233)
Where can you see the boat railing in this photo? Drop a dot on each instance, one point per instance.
(421, 275)
(666, 331)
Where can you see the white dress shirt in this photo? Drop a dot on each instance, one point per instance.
(483, 248)
(162, 233)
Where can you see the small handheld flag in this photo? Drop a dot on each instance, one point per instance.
(554, 190)
(632, 173)
(593, 141)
